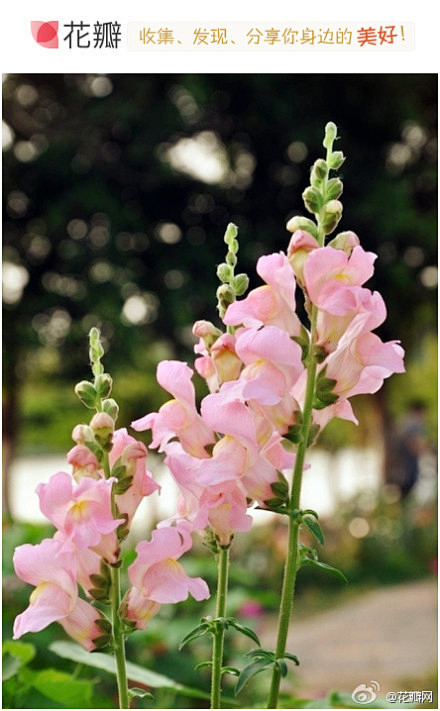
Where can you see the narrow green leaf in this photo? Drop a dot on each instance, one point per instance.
(292, 657)
(250, 671)
(244, 630)
(324, 566)
(197, 632)
(105, 662)
(314, 527)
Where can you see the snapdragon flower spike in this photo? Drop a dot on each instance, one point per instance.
(156, 572)
(52, 571)
(179, 416)
(83, 512)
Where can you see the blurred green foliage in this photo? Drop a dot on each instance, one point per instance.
(117, 191)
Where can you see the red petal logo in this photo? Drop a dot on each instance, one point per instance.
(45, 33)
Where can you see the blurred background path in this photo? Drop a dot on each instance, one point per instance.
(389, 635)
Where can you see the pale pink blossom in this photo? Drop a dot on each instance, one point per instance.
(83, 512)
(362, 362)
(178, 417)
(156, 572)
(139, 609)
(52, 571)
(220, 363)
(330, 328)
(131, 454)
(272, 304)
(224, 511)
(300, 245)
(333, 279)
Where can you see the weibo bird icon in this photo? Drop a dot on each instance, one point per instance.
(45, 33)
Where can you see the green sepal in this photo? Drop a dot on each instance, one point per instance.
(102, 641)
(313, 433)
(121, 486)
(303, 340)
(104, 625)
(100, 595)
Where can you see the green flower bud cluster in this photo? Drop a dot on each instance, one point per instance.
(232, 285)
(321, 196)
(95, 396)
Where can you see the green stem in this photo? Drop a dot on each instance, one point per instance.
(292, 555)
(117, 626)
(219, 636)
(119, 641)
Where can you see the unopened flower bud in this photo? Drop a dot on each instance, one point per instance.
(111, 407)
(302, 223)
(86, 393)
(102, 425)
(84, 463)
(240, 284)
(224, 272)
(319, 172)
(230, 235)
(336, 160)
(103, 385)
(334, 189)
(330, 135)
(332, 215)
(346, 241)
(312, 199)
(225, 295)
(82, 434)
(203, 329)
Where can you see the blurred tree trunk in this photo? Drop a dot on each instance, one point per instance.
(10, 413)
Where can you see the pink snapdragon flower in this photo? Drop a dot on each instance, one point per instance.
(272, 364)
(131, 454)
(362, 361)
(52, 571)
(333, 279)
(272, 304)
(220, 363)
(138, 608)
(83, 512)
(156, 572)
(179, 416)
(331, 328)
(300, 245)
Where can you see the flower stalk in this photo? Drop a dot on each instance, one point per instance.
(219, 634)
